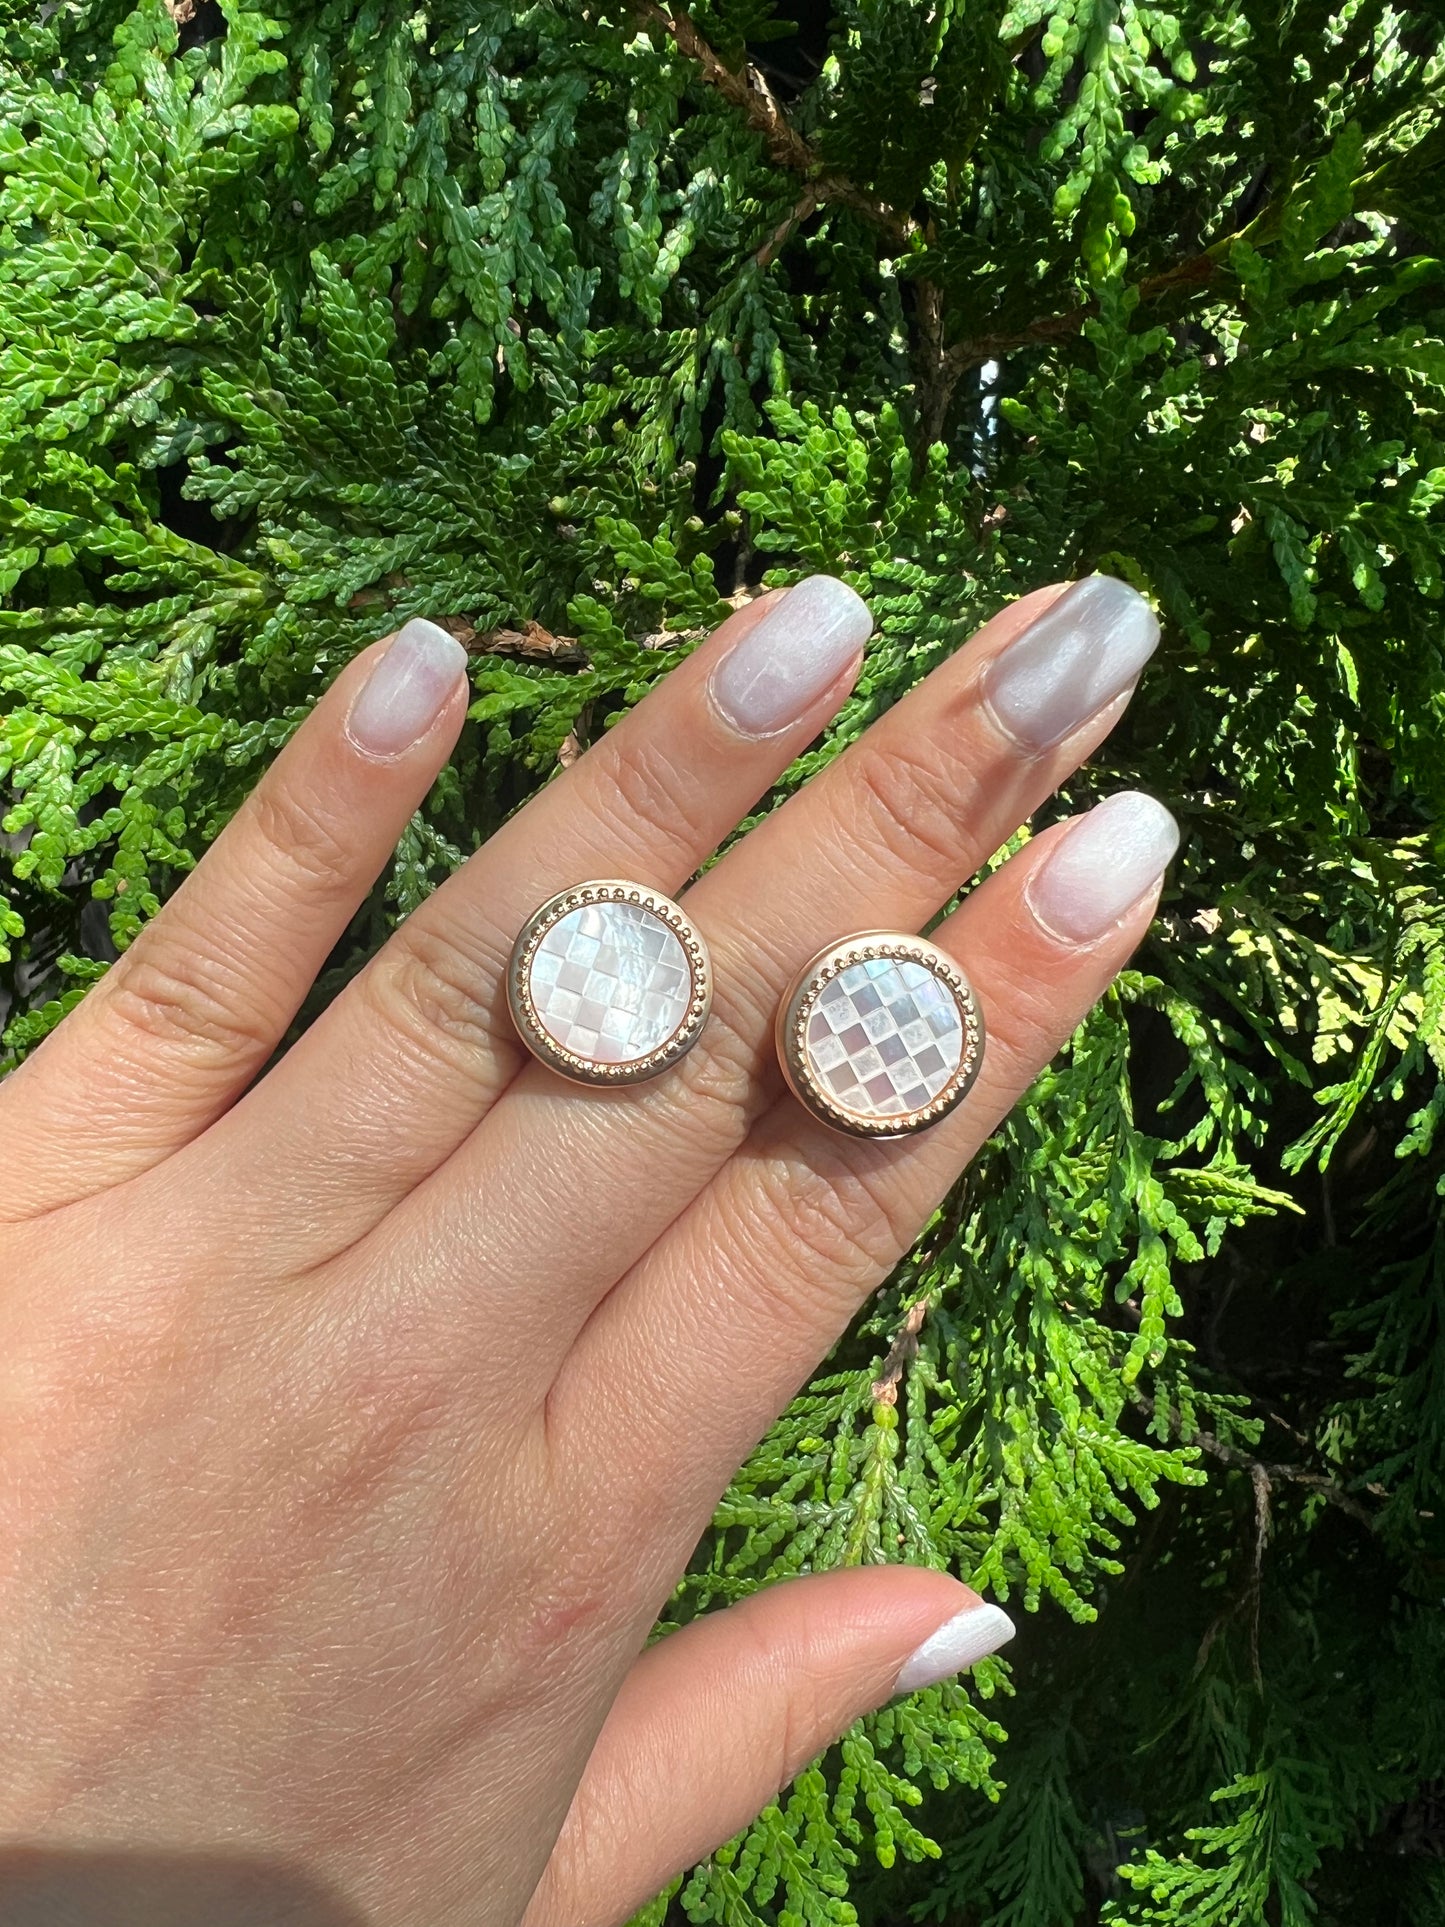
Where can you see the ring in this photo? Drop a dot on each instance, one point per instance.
(880, 1035)
(609, 983)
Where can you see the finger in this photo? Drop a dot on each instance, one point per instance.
(397, 1072)
(728, 1313)
(880, 839)
(714, 1720)
(182, 1022)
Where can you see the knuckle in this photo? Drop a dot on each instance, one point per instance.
(1025, 1028)
(648, 801)
(909, 809)
(171, 994)
(734, 1065)
(301, 839)
(803, 1720)
(431, 990)
(720, 1076)
(803, 1731)
(581, 1591)
(733, 1070)
(1026, 1019)
(823, 1236)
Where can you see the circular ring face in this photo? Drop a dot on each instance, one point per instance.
(609, 983)
(880, 1035)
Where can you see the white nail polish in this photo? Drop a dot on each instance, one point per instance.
(968, 1636)
(407, 690)
(1083, 651)
(1096, 873)
(772, 678)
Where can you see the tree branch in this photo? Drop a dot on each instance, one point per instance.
(938, 378)
(963, 355)
(941, 368)
(901, 1354)
(805, 206)
(1260, 1471)
(750, 93)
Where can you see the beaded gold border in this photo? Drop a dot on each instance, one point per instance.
(797, 1007)
(586, 1070)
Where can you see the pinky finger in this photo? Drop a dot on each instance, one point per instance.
(714, 1720)
(177, 1028)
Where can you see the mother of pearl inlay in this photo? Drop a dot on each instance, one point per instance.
(884, 1037)
(610, 982)
(880, 1035)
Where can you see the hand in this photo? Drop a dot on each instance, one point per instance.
(359, 1419)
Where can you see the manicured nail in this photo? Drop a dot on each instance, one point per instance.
(1082, 652)
(968, 1636)
(407, 690)
(770, 679)
(1102, 867)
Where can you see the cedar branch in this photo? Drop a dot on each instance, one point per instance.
(942, 367)
(750, 93)
(963, 355)
(901, 1354)
(937, 377)
(805, 206)
(1260, 1470)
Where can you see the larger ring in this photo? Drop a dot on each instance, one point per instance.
(880, 1035)
(609, 983)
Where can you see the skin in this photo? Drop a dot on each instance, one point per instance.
(353, 1436)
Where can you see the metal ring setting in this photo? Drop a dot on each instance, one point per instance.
(609, 983)
(880, 1035)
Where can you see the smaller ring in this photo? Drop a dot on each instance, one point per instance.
(609, 983)
(880, 1035)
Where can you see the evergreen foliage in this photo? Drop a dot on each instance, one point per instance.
(572, 324)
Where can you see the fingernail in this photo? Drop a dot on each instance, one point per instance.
(958, 1643)
(407, 690)
(1082, 652)
(770, 679)
(1102, 867)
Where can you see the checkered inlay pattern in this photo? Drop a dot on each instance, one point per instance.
(610, 982)
(884, 1037)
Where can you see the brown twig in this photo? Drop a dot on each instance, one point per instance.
(531, 642)
(901, 1354)
(577, 739)
(940, 368)
(1185, 275)
(1250, 1602)
(806, 205)
(1263, 1526)
(1230, 1455)
(938, 376)
(750, 93)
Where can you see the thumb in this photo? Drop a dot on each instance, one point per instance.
(714, 1719)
